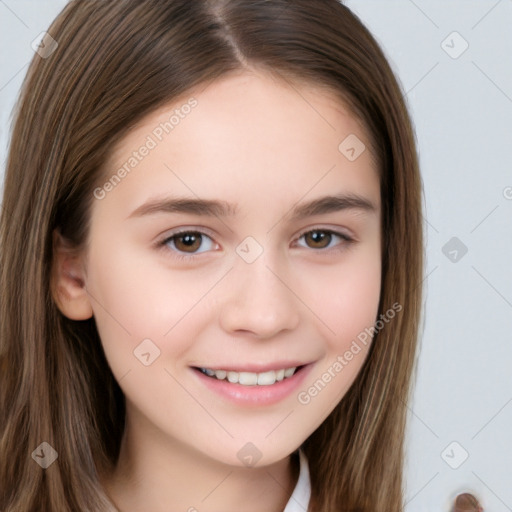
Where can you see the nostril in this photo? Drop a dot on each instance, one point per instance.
(466, 502)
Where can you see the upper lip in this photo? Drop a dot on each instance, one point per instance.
(254, 368)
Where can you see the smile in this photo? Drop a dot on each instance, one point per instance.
(261, 388)
(250, 378)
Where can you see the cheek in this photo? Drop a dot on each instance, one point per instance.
(348, 309)
(136, 298)
(346, 299)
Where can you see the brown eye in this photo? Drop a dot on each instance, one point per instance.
(319, 239)
(188, 242)
(323, 238)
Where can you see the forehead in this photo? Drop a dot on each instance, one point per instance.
(246, 135)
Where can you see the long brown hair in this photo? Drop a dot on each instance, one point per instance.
(116, 62)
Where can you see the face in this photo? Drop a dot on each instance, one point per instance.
(203, 255)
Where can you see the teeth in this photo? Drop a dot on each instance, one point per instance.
(233, 377)
(250, 378)
(220, 374)
(289, 372)
(266, 378)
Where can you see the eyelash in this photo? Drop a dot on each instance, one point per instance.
(187, 257)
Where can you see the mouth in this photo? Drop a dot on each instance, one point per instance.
(267, 378)
(254, 385)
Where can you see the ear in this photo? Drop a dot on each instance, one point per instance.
(68, 281)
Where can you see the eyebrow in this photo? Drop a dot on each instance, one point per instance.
(218, 208)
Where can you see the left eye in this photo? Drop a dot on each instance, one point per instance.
(324, 237)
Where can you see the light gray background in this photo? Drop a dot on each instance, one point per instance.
(462, 110)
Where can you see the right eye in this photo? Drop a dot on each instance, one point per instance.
(185, 243)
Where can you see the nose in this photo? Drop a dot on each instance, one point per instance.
(258, 299)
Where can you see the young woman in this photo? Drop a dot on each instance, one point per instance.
(211, 263)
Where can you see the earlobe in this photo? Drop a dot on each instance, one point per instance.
(68, 281)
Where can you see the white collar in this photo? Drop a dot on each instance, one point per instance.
(299, 500)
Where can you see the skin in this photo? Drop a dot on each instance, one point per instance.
(265, 145)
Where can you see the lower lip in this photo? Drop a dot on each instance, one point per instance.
(255, 395)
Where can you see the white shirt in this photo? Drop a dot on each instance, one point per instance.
(299, 500)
